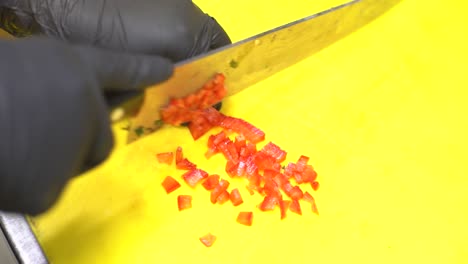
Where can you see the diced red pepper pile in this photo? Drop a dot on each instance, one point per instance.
(238, 142)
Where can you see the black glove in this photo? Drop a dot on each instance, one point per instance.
(54, 116)
(176, 29)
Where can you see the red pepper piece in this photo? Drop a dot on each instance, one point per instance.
(309, 174)
(266, 162)
(211, 182)
(244, 128)
(315, 185)
(223, 197)
(218, 190)
(185, 164)
(269, 203)
(194, 176)
(245, 218)
(165, 157)
(309, 198)
(274, 151)
(184, 202)
(208, 240)
(228, 148)
(170, 184)
(302, 163)
(179, 154)
(296, 193)
(284, 206)
(199, 126)
(295, 207)
(236, 197)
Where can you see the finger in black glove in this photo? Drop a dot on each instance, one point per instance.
(54, 117)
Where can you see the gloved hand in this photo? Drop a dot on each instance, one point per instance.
(176, 29)
(54, 116)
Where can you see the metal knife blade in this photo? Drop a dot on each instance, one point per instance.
(254, 59)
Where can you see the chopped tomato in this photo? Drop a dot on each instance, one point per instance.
(211, 182)
(165, 157)
(236, 197)
(218, 190)
(194, 176)
(185, 164)
(208, 240)
(184, 202)
(269, 203)
(274, 151)
(223, 197)
(284, 206)
(245, 218)
(295, 207)
(315, 185)
(170, 184)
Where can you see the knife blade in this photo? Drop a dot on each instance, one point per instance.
(249, 61)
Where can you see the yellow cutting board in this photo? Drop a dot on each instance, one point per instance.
(383, 116)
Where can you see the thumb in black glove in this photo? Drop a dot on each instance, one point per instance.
(176, 29)
(54, 117)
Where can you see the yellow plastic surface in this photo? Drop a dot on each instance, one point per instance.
(383, 116)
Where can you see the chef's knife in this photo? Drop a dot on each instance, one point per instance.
(249, 61)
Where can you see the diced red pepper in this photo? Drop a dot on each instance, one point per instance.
(295, 207)
(165, 157)
(284, 206)
(309, 174)
(269, 203)
(245, 218)
(185, 164)
(296, 193)
(240, 143)
(184, 202)
(236, 197)
(271, 188)
(179, 154)
(309, 198)
(266, 162)
(315, 185)
(208, 240)
(170, 184)
(244, 128)
(287, 188)
(199, 126)
(182, 110)
(211, 182)
(194, 176)
(228, 148)
(218, 190)
(302, 163)
(250, 166)
(223, 197)
(274, 151)
(290, 169)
